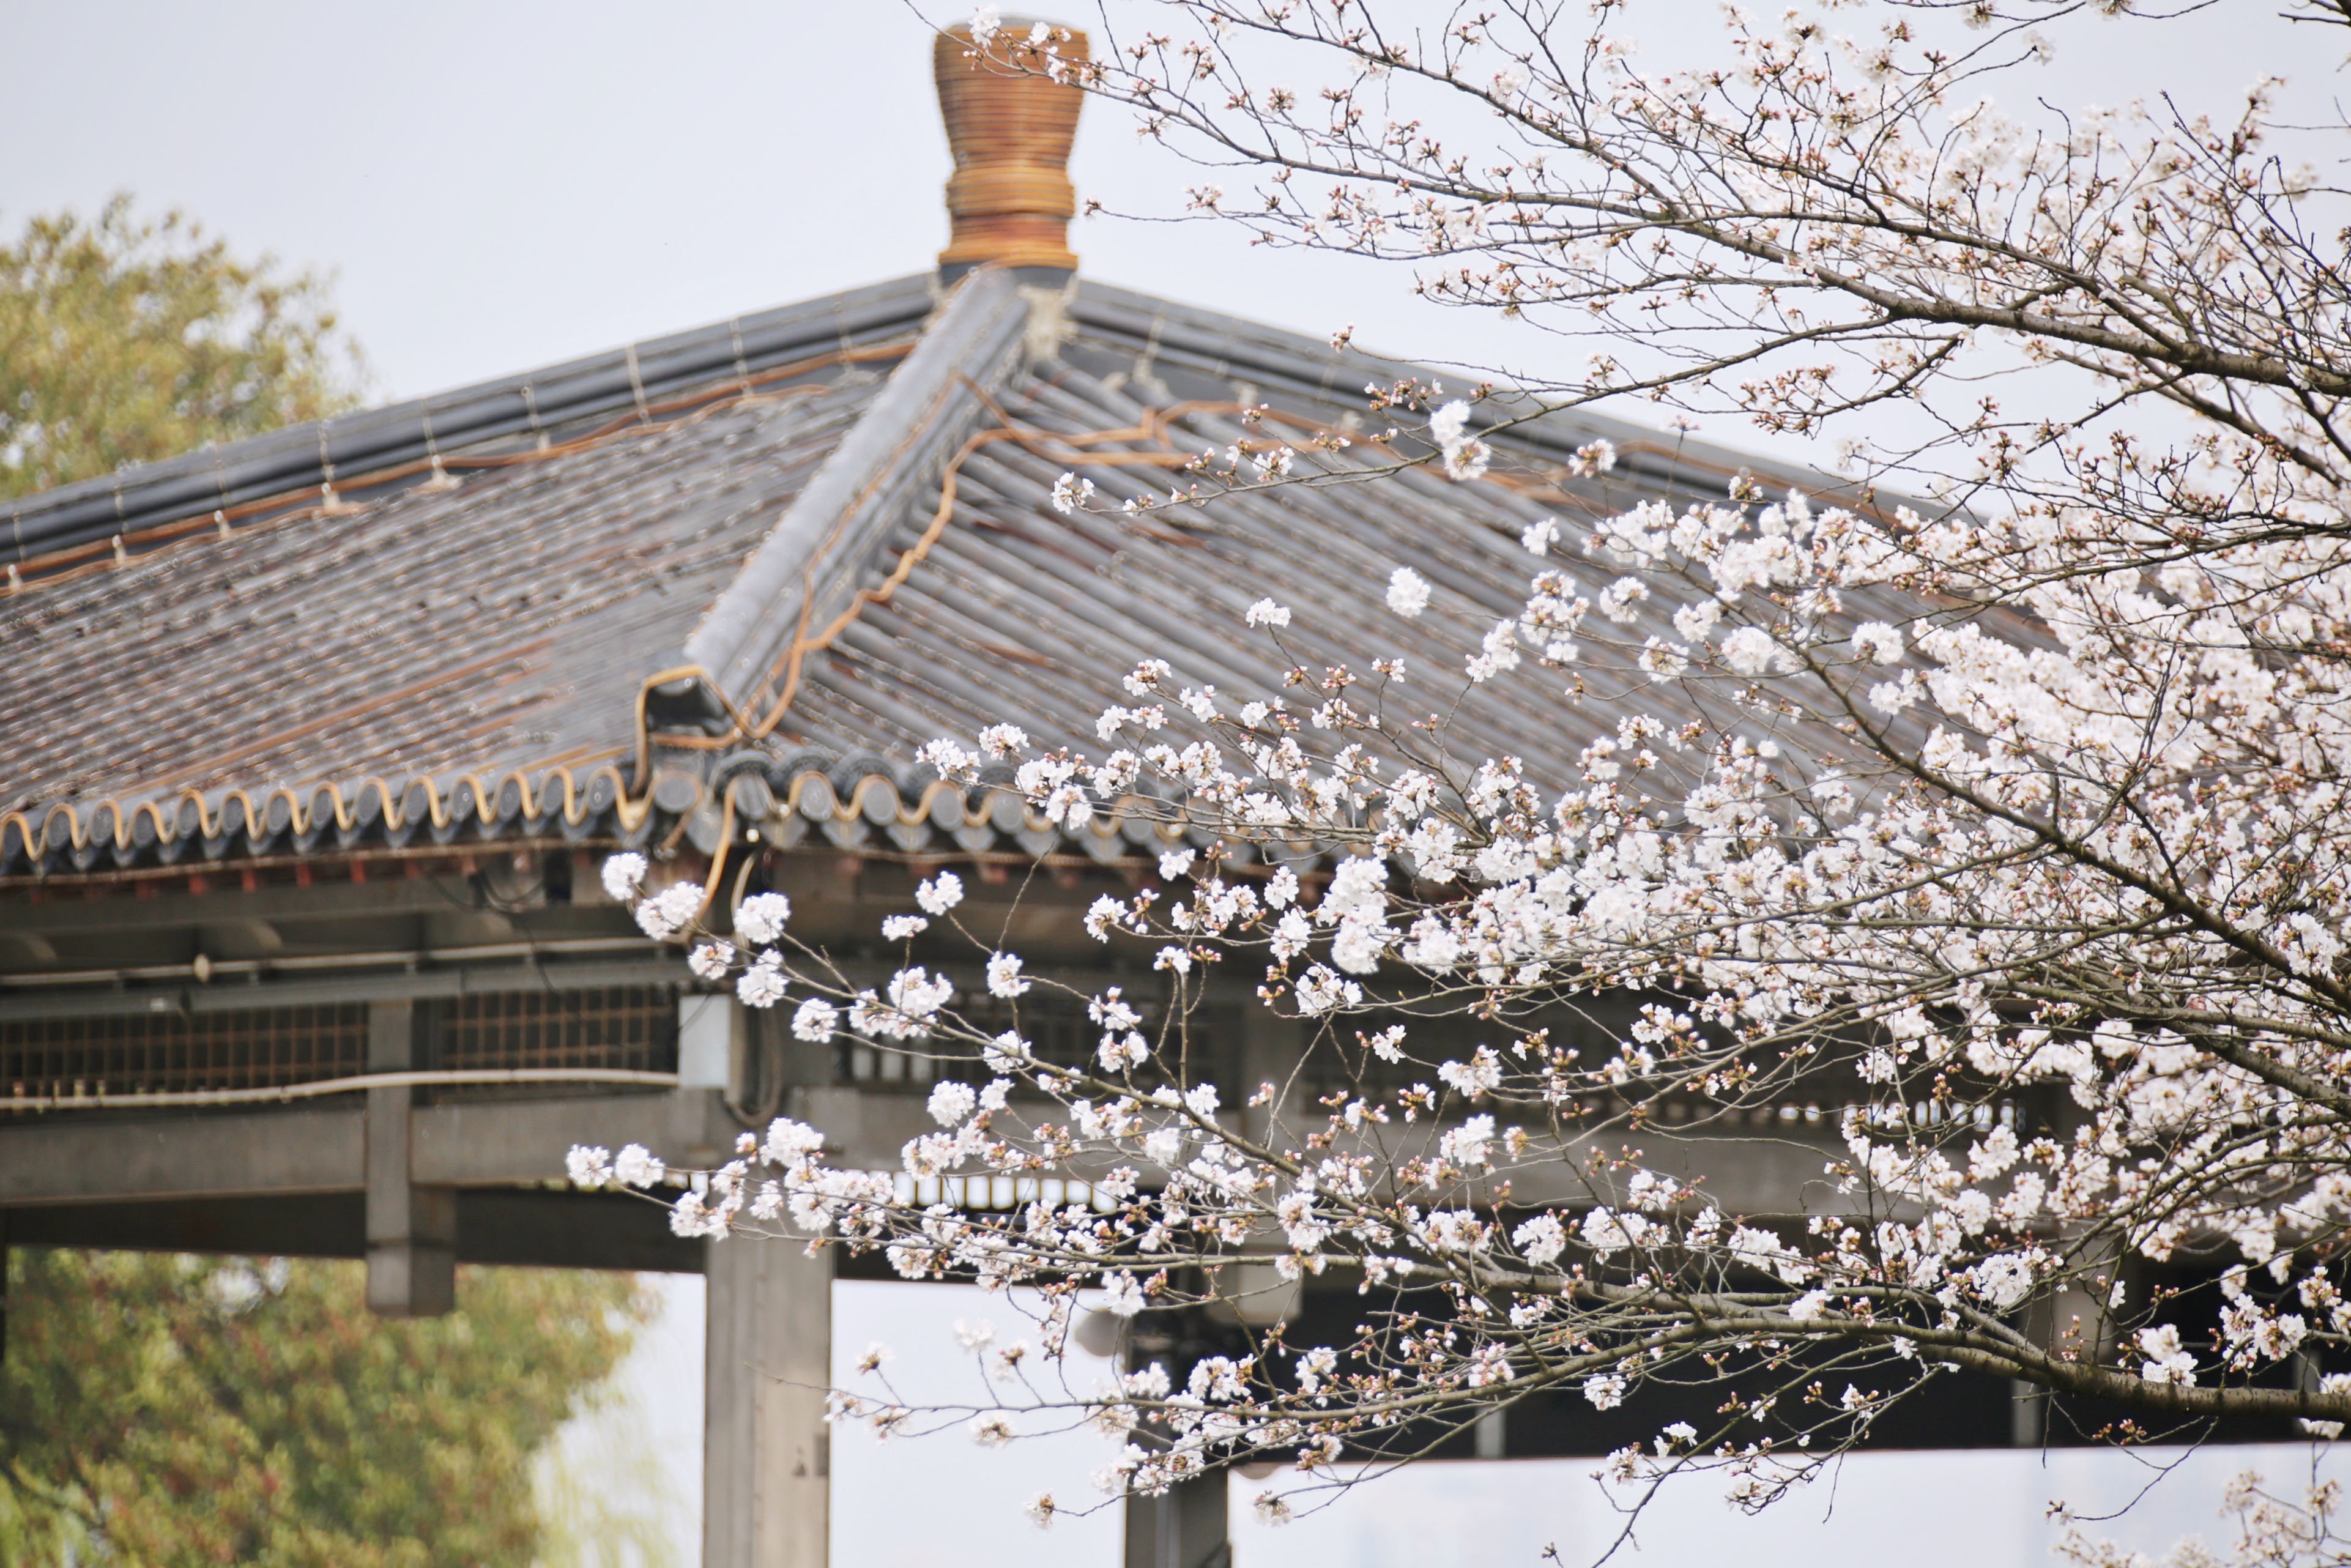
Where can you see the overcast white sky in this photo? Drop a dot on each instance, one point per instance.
(501, 186)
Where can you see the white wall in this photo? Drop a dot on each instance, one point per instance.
(941, 1500)
(1980, 1510)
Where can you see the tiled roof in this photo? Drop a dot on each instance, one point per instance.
(596, 638)
(265, 474)
(1022, 611)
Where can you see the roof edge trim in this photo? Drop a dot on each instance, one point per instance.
(858, 805)
(1243, 350)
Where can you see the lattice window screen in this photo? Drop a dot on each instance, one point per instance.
(159, 1052)
(628, 1027)
(632, 1027)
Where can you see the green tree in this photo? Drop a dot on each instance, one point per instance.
(124, 339)
(168, 1410)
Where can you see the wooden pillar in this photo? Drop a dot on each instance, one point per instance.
(1270, 1046)
(767, 1451)
(1184, 1528)
(411, 1230)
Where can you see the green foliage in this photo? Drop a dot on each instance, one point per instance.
(161, 1410)
(174, 1410)
(123, 341)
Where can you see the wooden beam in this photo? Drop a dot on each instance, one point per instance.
(503, 1226)
(385, 980)
(94, 1157)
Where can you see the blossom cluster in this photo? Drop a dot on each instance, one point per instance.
(1994, 848)
(1898, 875)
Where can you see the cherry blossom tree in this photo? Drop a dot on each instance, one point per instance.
(2007, 821)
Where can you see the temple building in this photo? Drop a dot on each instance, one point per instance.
(310, 747)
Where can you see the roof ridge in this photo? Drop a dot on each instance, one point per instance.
(1240, 348)
(825, 541)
